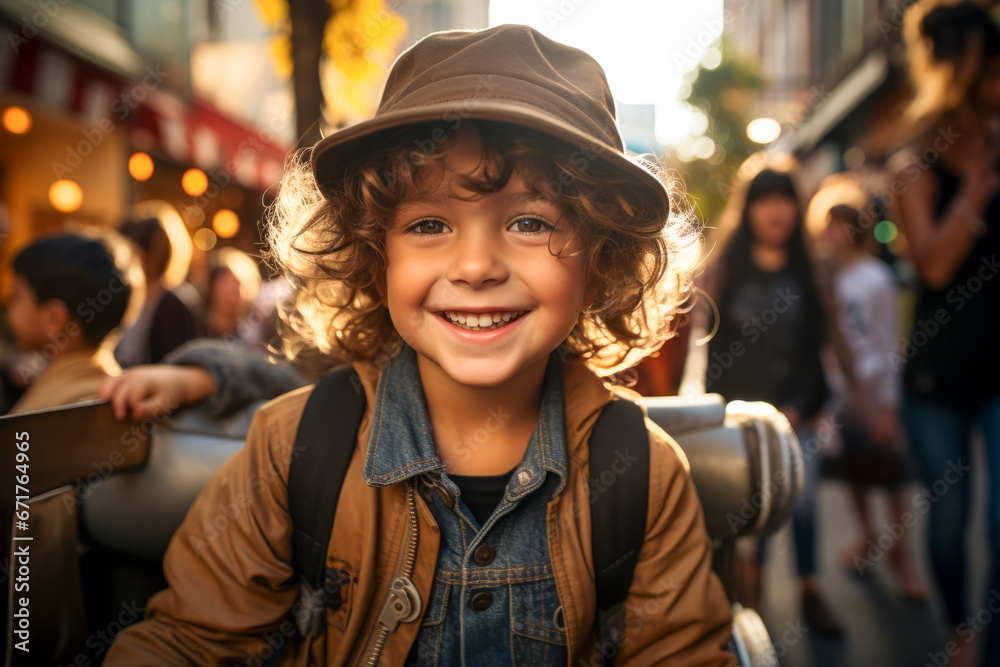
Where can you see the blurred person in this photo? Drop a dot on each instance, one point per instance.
(224, 306)
(769, 329)
(233, 287)
(69, 295)
(165, 322)
(868, 409)
(949, 212)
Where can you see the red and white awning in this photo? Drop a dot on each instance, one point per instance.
(189, 131)
(194, 132)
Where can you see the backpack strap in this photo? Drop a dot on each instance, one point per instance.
(619, 484)
(324, 444)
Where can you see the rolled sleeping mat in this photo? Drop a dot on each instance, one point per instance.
(745, 460)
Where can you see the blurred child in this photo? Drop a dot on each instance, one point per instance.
(480, 250)
(867, 302)
(68, 296)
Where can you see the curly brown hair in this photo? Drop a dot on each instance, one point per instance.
(331, 247)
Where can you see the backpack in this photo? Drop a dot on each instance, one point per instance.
(324, 444)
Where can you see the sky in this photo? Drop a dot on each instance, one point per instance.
(644, 46)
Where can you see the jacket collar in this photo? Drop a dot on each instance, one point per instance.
(400, 444)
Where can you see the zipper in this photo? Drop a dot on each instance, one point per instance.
(402, 603)
(433, 483)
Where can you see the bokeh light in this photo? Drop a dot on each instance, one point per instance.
(140, 166)
(194, 182)
(204, 239)
(193, 217)
(712, 58)
(226, 223)
(763, 130)
(65, 195)
(17, 120)
(885, 231)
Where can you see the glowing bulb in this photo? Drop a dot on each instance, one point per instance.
(763, 130)
(16, 120)
(225, 223)
(140, 165)
(65, 195)
(194, 182)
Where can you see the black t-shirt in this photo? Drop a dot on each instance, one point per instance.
(481, 493)
(767, 347)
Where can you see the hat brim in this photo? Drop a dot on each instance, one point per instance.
(333, 155)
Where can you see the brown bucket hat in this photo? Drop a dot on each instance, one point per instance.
(509, 73)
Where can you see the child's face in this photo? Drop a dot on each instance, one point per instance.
(27, 318)
(454, 256)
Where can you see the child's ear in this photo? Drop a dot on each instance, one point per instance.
(56, 316)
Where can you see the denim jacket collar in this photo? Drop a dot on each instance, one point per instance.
(401, 444)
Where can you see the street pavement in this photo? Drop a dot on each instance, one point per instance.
(881, 630)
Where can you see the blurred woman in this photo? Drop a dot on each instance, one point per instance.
(165, 322)
(769, 329)
(949, 212)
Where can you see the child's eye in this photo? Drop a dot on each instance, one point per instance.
(428, 227)
(530, 226)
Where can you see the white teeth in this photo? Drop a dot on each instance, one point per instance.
(481, 321)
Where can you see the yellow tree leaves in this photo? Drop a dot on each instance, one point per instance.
(359, 43)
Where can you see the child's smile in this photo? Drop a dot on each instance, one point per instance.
(481, 321)
(473, 281)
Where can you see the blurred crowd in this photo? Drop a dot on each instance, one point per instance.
(871, 306)
(874, 309)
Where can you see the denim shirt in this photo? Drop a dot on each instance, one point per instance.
(494, 600)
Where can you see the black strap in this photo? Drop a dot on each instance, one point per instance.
(619, 484)
(324, 444)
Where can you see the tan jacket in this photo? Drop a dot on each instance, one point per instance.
(69, 378)
(232, 583)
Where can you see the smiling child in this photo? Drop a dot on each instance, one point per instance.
(483, 252)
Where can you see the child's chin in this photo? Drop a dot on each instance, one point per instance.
(478, 374)
(484, 380)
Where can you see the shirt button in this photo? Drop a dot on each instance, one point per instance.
(523, 477)
(481, 601)
(484, 555)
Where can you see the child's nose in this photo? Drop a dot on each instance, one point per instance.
(477, 260)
